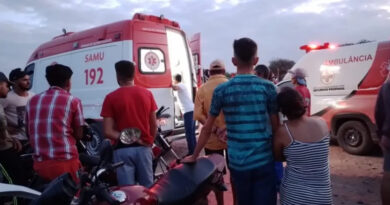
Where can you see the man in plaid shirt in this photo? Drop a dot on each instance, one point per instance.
(54, 124)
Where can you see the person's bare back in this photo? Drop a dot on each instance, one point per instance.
(308, 129)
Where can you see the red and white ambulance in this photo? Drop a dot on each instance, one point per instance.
(344, 82)
(157, 46)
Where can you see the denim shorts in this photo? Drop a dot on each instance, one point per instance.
(137, 168)
(255, 186)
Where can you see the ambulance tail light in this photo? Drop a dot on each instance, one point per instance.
(311, 47)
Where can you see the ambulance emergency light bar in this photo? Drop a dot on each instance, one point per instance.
(311, 47)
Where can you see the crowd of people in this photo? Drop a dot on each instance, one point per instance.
(240, 119)
(250, 106)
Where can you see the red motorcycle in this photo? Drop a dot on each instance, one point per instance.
(183, 184)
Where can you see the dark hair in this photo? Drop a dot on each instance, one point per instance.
(178, 78)
(16, 74)
(291, 103)
(124, 70)
(263, 71)
(58, 75)
(217, 72)
(244, 49)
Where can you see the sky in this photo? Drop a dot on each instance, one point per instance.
(279, 27)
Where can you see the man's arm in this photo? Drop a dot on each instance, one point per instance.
(26, 120)
(274, 122)
(199, 109)
(153, 124)
(203, 138)
(278, 146)
(175, 87)
(78, 120)
(109, 128)
(3, 124)
(215, 109)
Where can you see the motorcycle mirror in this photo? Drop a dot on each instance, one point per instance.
(129, 136)
(159, 110)
(165, 109)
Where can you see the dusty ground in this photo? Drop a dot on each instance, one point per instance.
(355, 179)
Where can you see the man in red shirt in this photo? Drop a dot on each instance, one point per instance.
(131, 106)
(299, 81)
(54, 122)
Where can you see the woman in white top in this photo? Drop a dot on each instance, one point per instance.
(304, 143)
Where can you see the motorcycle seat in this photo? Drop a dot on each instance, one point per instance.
(181, 183)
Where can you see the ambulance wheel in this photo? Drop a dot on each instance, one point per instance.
(97, 137)
(354, 138)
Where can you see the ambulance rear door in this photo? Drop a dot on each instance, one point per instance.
(181, 62)
(152, 66)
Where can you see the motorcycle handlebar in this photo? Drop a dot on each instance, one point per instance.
(105, 169)
(116, 165)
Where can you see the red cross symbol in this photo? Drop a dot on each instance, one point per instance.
(152, 60)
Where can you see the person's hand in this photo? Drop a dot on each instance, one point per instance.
(16, 144)
(189, 159)
(222, 134)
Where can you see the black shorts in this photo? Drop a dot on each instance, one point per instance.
(220, 152)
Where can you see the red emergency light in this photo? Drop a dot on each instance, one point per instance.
(157, 19)
(311, 47)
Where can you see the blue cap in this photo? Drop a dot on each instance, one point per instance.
(301, 81)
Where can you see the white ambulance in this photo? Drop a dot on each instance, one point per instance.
(157, 46)
(344, 82)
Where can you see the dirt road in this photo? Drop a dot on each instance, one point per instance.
(355, 179)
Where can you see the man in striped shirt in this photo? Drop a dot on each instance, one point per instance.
(250, 109)
(54, 124)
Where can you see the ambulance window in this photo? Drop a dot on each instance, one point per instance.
(30, 71)
(151, 60)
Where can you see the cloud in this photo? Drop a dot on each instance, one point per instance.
(111, 4)
(315, 6)
(28, 17)
(279, 27)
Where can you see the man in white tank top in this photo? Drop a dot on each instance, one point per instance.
(187, 108)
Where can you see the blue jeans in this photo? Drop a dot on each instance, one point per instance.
(256, 186)
(137, 166)
(189, 126)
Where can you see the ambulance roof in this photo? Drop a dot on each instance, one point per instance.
(117, 31)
